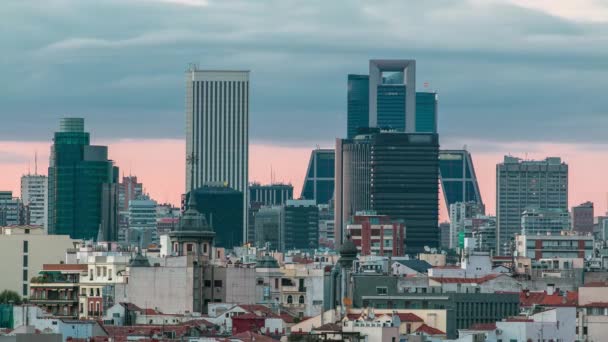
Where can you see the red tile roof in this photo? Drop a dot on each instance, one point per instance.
(428, 330)
(596, 305)
(518, 319)
(64, 267)
(455, 280)
(409, 317)
(130, 306)
(527, 299)
(448, 267)
(596, 284)
(248, 336)
(248, 316)
(483, 327)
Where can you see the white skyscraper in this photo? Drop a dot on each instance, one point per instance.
(34, 196)
(217, 131)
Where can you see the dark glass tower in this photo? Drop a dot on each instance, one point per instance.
(357, 103)
(319, 181)
(300, 227)
(77, 174)
(458, 180)
(405, 184)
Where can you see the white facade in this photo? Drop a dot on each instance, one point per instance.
(142, 220)
(217, 131)
(558, 324)
(34, 195)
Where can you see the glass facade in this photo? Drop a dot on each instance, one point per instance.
(357, 103)
(426, 112)
(319, 182)
(458, 180)
(77, 172)
(300, 225)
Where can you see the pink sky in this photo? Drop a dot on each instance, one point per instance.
(159, 164)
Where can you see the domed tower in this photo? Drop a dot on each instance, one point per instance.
(341, 276)
(193, 235)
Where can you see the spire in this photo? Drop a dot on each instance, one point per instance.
(192, 201)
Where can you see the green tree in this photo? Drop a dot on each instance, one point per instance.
(8, 296)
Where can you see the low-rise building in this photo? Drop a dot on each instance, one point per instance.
(563, 245)
(377, 234)
(56, 289)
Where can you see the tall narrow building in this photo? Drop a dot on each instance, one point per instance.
(458, 179)
(319, 181)
(34, 198)
(217, 131)
(526, 184)
(77, 172)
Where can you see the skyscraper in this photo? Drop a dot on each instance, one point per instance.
(582, 218)
(77, 172)
(217, 131)
(271, 194)
(142, 221)
(395, 104)
(268, 221)
(300, 226)
(320, 176)
(525, 184)
(458, 179)
(33, 196)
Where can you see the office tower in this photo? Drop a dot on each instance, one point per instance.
(444, 235)
(109, 212)
(326, 225)
(484, 234)
(12, 212)
(271, 194)
(142, 221)
(395, 104)
(222, 207)
(405, 184)
(268, 221)
(320, 174)
(544, 221)
(375, 234)
(458, 180)
(352, 190)
(129, 189)
(33, 196)
(461, 221)
(77, 171)
(582, 218)
(300, 226)
(217, 133)
(357, 104)
(523, 184)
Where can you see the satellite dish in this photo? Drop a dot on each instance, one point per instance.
(427, 249)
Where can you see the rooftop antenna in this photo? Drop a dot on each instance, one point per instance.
(35, 163)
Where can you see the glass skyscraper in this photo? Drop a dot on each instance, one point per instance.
(77, 173)
(319, 181)
(458, 180)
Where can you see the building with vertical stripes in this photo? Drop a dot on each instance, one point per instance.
(217, 130)
(270, 194)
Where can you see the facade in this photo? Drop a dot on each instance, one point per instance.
(271, 194)
(484, 234)
(222, 207)
(268, 223)
(77, 171)
(461, 221)
(12, 212)
(109, 213)
(33, 196)
(98, 284)
(582, 218)
(377, 235)
(24, 250)
(523, 184)
(564, 245)
(320, 174)
(458, 179)
(405, 184)
(444, 235)
(142, 222)
(357, 104)
(217, 133)
(129, 189)
(56, 289)
(326, 225)
(542, 221)
(300, 225)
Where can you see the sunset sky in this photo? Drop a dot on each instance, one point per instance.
(525, 77)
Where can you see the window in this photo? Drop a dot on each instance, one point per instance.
(109, 274)
(260, 281)
(25, 261)
(189, 247)
(301, 300)
(97, 292)
(24, 275)
(24, 289)
(205, 248)
(382, 290)
(290, 299)
(25, 246)
(207, 283)
(276, 283)
(91, 293)
(217, 283)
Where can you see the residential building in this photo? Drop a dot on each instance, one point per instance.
(326, 225)
(34, 198)
(229, 284)
(375, 234)
(592, 317)
(300, 226)
(129, 189)
(100, 284)
(142, 221)
(76, 173)
(268, 224)
(563, 245)
(55, 289)
(461, 221)
(217, 134)
(24, 250)
(582, 218)
(523, 184)
(222, 207)
(542, 221)
(319, 181)
(458, 179)
(271, 194)
(484, 234)
(12, 212)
